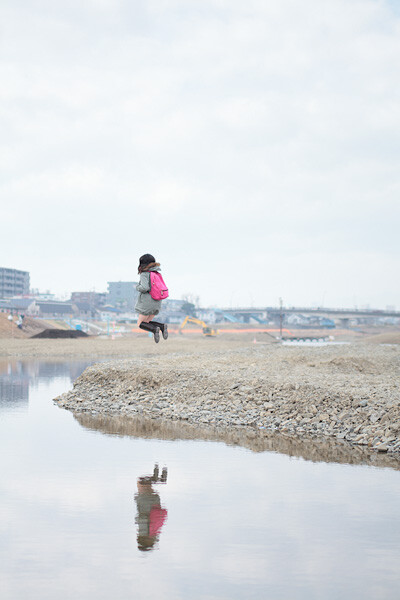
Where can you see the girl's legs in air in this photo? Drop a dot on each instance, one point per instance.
(152, 325)
(144, 319)
(144, 322)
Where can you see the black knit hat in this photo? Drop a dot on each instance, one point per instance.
(146, 259)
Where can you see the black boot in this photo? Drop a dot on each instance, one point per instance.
(163, 327)
(155, 473)
(153, 328)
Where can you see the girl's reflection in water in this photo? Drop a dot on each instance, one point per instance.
(150, 514)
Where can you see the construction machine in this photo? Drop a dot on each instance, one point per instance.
(209, 331)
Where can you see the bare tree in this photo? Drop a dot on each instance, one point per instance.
(191, 299)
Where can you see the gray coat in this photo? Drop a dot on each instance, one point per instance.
(145, 304)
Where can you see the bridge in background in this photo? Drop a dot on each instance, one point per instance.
(272, 313)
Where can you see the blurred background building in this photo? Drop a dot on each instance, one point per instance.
(122, 294)
(13, 282)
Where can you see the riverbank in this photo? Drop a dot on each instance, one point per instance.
(347, 392)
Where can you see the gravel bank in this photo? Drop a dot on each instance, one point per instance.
(345, 392)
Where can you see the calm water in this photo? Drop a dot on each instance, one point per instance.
(218, 522)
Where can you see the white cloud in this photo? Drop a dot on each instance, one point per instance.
(208, 131)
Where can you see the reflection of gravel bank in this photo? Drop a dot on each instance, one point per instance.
(343, 392)
(257, 440)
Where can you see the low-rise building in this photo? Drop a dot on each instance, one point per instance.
(18, 306)
(43, 296)
(109, 313)
(94, 299)
(54, 309)
(84, 310)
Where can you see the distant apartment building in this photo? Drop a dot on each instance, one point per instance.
(122, 294)
(93, 299)
(13, 283)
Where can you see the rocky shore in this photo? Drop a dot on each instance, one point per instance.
(347, 393)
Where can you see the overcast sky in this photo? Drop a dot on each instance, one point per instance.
(253, 147)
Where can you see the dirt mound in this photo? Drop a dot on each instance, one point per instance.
(30, 326)
(392, 337)
(8, 329)
(60, 333)
(351, 365)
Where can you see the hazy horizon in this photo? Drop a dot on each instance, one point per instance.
(65, 296)
(252, 148)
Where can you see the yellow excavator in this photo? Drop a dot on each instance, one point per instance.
(209, 331)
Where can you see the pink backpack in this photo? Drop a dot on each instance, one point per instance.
(158, 289)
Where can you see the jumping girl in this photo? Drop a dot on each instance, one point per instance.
(146, 305)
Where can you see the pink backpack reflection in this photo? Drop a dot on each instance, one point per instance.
(158, 289)
(157, 518)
